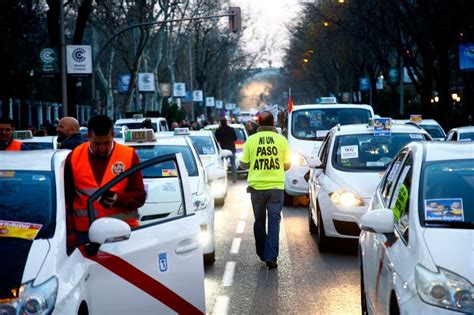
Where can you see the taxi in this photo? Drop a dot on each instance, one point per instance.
(430, 125)
(121, 270)
(416, 244)
(346, 172)
(35, 143)
(163, 201)
(157, 123)
(242, 136)
(305, 129)
(461, 134)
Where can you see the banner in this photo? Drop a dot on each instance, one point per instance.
(79, 59)
(364, 84)
(146, 82)
(123, 83)
(466, 57)
(210, 102)
(49, 61)
(197, 96)
(219, 104)
(165, 89)
(179, 90)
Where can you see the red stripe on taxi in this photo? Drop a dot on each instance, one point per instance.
(144, 282)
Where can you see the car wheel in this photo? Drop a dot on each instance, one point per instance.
(321, 238)
(219, 201)
(394, 309)
(210, 259)
(363, 297)
(288, 200)
(313, 229)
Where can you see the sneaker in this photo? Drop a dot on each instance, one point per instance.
(271, 264)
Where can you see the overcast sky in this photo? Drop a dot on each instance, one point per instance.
(267, 19)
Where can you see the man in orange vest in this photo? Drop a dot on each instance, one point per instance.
(7, 143)
(91, 165)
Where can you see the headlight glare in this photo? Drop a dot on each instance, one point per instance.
(346, 198)
(298, 158)
(444, 289)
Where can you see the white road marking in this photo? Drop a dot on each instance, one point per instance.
(244, 214)
(222, 305)
(240, 227)
(228, 277)
(234, 249)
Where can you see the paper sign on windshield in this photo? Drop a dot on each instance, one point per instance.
(350, 152)
(450, 209)
(24, 230)
(169, 172)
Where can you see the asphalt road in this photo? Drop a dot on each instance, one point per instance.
(306, 282)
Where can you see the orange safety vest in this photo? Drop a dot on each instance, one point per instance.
(85, 185)
(14, 146)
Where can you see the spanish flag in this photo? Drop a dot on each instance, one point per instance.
(290, 104)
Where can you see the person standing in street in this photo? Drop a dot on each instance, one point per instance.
(267, 156)
(7, 143)
(90, 166)
(227, 137)
(69, 136)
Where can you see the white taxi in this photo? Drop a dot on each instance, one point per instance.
(461, 134)
(157, 123)
(35, 143)
(416, 244)
(430, 125)
(154, 268)
(305, 129)
(163, 200)
(349, 167)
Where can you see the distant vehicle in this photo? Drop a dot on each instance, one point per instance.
(158, 123)
(461, 134)
(245, 116)
(35, 143)
(415, 247)
(305, 128)
(430, 125)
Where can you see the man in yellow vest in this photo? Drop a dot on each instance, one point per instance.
(266, 155)
(91, 165)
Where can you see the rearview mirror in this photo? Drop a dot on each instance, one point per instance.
(109, 230)
(314, 162)
(226, 153)
(378, 221)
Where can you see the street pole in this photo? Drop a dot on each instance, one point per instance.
(191, 75)
(402, 74)
(63, 58)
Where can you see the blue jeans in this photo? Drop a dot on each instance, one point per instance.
(267, 245)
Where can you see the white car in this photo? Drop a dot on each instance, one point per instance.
(212, 157)
(35, 143)
(162, 180)
(347, 170)
(242, 136)
(416, 244)
(154, 267)
(461, 134)
(158, 123)
(305, 129)
(430, 125)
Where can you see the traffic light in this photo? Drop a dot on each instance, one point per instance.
(234, 19)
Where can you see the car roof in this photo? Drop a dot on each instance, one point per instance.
(463, 129)
(127, 120)
(439, 151)
(160, 139)
(215, 126)
(364, 128)
(38, 160)
(422, 122)
(311, 106)
(46, 139)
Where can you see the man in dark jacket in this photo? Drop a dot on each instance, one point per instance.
(227, 137)
(69, 136)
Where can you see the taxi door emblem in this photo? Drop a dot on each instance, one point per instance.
(163, 262)
(118, 168)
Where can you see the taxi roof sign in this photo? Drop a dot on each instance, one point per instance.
(181, 131)
(416, 118)
(382, 126)
(327, 100)
(22, 134)
(139, 135)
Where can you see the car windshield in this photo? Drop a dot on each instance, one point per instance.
(313, 124)
(466, 136)
(203, 144)
(137, 125)
(166, 169)
(446, 194)
(39, 145)
(28, 197)
(367, 152)
(240, 134)
(435, 131)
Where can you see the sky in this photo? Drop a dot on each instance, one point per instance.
(266, 24)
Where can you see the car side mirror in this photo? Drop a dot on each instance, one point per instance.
(109, 230)
(378, 221)
(226, 153)
(314, 162)
(214, 173)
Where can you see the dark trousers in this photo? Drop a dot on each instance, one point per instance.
(267, 244)
(233, 167)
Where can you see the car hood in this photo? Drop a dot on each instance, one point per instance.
(361, 183)
(308, 149)
(458, 254)
(22, 262)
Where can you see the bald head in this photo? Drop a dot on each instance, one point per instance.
(67, 127)
(266, 119)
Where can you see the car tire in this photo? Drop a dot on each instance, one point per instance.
(210, 259)
(363, 297)
(219, 201)
(313, 229)
(321, 239)
(288, 200)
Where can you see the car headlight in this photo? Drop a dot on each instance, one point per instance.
(346, 198)
(444, 289)
(33, 299)
(297, 158)
(200, 202)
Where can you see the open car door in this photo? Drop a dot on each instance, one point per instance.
(156, 268)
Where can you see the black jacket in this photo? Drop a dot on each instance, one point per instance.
(71, 142)
(226, 137)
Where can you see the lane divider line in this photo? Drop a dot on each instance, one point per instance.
(222, 305)
(228, 277)
(244, 214)
(240, 227)
(234, 249)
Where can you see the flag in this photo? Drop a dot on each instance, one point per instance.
(290, 104)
